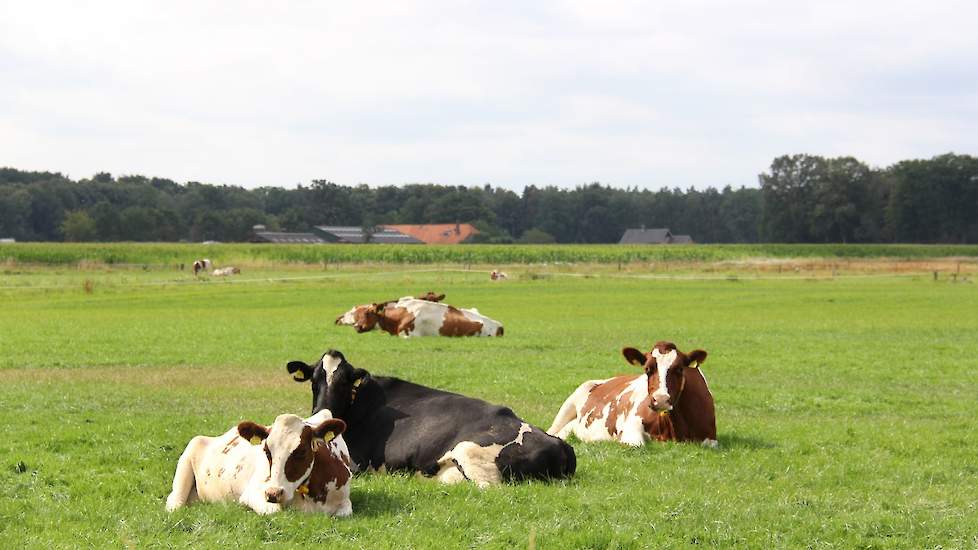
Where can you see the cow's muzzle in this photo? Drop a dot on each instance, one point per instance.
(274, 494)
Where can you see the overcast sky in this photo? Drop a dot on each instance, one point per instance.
(649, 94)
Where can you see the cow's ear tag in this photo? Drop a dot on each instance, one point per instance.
(299, 376)
(694, 365)
(255, 440)
(328, 436)
(357, 382)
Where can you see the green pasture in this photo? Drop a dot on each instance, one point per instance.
(847, 408)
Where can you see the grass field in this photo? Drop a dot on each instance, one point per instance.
(846, 407)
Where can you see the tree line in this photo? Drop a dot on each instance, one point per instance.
(801, 199)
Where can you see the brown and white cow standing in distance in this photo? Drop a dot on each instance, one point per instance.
(201, 265)
(669, 402)
(410, 317)
(302, 464)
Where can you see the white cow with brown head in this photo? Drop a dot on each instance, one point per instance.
(410, 317)
(302, 464)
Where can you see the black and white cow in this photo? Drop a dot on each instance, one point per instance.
(396, 425)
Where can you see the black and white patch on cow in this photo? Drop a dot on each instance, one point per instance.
(396, 425)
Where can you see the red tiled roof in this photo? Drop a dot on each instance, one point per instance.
(438, 233)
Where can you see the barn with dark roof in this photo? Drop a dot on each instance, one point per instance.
(660, 235)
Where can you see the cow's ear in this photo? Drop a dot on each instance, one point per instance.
(379, 308)
(300, 371)
(251, 432)
(358, 377)
(438, 298)
(633, 356)
(696, 357)
(329, 429)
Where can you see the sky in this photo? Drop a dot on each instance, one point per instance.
(649, 94)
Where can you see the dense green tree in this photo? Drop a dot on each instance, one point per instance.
(108, 224)
(935, 200)
(788, 197)
(78, 226)
(15, 212)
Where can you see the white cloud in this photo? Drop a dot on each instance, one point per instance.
(627, 93)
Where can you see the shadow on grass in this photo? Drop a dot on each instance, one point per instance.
(735, 441)
(376, 503)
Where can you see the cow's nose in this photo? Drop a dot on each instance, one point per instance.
(274, 494)
(660, 399)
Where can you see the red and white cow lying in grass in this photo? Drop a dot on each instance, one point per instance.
(226, 271)
(669, 402)
(302, 464)
(413, 317)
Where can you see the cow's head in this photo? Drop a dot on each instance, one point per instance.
(666, 368)
(431, 297)
(366, 317)
(349, 318)
(290, 449)
(334, 382)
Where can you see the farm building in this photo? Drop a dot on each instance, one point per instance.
(653, 236)
(444, 233)
(352, 234)
(437, 233)
(280, 237)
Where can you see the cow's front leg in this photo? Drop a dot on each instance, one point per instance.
(633, 433)
(338, 503)
(258, 503)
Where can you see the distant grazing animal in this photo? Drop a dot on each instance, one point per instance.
(395, 425)
(226, 271)
(201, 265)
(412, 317)
(671, 401)
(498, 276)
(302, 464)
(349, 318)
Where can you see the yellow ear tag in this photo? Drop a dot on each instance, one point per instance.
(328, 436)
(663, 413)
(255, 440)
(357, 382)
(299, 376)
(302, 489)
(694, 365)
